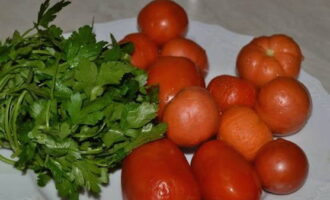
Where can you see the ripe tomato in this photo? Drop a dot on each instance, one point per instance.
(242, 128)
(230, 90)
(163, 20)
(158, 170)
(284, 104)
(145, 50)
(266, 58)
(282, 166)
(189, 49)
(172, 74)
(223, 174)
(192, 117)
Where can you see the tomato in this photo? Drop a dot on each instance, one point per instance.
(266, 58)
(282, 166)
(230, 90)
(284, 104)
(187, 48)
(172, 74)
(158, 170)
(163, 20)
(145, 50)
(243, 129)
(223, 174)
(192, 117)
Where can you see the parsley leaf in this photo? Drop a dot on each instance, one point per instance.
(72, 108)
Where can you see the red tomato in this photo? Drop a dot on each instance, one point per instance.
(284, 104)
(223, 174)
(243, 129)
(163, 20)
(192, 117)
(189, 49)
(230, 90)
(173, 74)
(282, 166)
(266, 58)
(145, 50)
(158, 170)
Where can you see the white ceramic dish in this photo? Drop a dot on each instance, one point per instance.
(222, 47)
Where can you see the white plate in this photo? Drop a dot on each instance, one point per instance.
(222, 47)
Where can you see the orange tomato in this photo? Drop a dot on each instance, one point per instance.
(282, 166)
(145, 50)
(242, 128)
(163, 20)
(223, 174)
(284, 104)
(187, 48)
(158, 170)
(172, 74)
(230, 90)
(266, 58)
(192, 117)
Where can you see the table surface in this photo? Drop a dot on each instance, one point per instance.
(308, 22)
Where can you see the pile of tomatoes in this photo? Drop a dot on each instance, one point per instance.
(234, 125)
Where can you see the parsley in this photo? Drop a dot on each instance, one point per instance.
(71, 108)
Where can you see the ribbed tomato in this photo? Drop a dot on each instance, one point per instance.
(268, 57)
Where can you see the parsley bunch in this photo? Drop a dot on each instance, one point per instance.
(71, 108)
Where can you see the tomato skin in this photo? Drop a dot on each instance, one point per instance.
(187, 48)
(145, 50)
(223, 174)
(284, 104)
(244, 130)
(230, 90)
(158, 170)
(268, 57)
(282, 166)
(163, 20)
(172, 74)
(192, 117)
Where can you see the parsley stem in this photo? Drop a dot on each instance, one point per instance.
(15, 115)
(27, 32)
(7, 127)
(93, 151)
(6, 160)
(47, 114)
(54, 79)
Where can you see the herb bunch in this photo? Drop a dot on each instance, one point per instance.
(71, 108)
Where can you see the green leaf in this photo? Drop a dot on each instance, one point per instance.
(113, 72)
(86, 132)
(137, 115)
(26, 156)
(73, 107)
(113, 136)
(63, 184)
(82, 45)
(90, 174)
(65, 130)
(47, 15)
(43, 179)
(86, 73)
